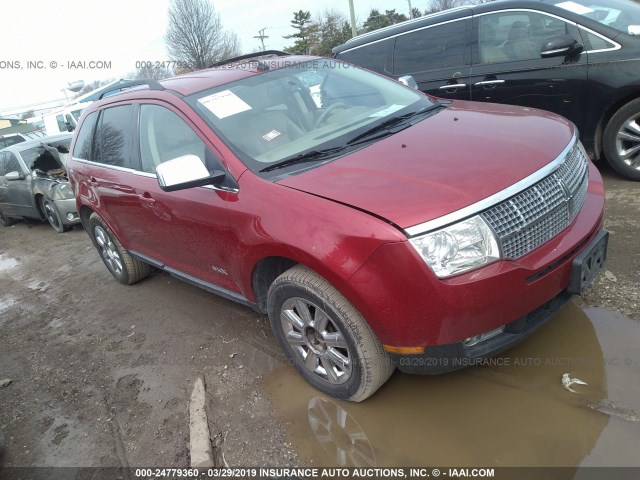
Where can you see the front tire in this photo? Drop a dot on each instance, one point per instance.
(622, 141)
(122, 266)
(325, 337)
(52, 215)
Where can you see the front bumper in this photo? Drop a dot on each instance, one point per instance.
(455, 356)
(68, 211)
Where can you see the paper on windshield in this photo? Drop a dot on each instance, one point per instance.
(224, 104)
(574, 7)
(387, 111)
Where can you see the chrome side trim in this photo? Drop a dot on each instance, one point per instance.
(104, 165)
(404, 33)
(494, 199)
(406, 22)
(149, 175)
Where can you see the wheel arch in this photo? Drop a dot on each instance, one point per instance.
(264, 272)
(598, 137)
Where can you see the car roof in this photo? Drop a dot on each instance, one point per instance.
(444, 16)
(20, 147)
(193, 82)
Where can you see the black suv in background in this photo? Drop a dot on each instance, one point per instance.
(577, 58)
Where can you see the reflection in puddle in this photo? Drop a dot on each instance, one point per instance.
(7, 263)
(339, 434)
(512, 413)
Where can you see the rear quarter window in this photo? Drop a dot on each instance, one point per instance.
(84, 141)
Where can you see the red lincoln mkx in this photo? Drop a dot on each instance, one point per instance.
(377, 227)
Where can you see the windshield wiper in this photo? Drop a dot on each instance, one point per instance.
(385, 128)
(303, 157)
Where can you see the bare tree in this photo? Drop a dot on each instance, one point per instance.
(195, 37)
(439, 5)
(151, 71)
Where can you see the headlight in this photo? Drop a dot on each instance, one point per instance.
(62, 191)
(458, 248)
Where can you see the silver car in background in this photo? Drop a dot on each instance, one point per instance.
(34, 183)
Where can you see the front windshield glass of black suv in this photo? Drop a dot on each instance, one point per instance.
(306, 113)
(623, 15)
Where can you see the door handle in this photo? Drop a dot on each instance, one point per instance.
(147, 198)
(93, 182)
(453, 86)
(486, 83)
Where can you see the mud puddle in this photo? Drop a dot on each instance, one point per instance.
(515, 412)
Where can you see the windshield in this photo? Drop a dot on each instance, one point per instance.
(41, 159)
(308, 109)
(623, 15)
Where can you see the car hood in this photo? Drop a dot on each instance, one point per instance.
(467, 152)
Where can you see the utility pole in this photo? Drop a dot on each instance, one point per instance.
(410, 9)
(354, 30)
(262, 36)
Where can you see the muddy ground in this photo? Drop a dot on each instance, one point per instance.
(102, 373)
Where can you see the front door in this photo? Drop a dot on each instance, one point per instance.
(508, 68)
(17, 193)
(186, 230)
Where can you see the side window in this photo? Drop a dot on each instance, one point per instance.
(431, 48)
(165, 136)
(60, 120)
(11, 163)
(82, 147)
(514, 36)
(3, 172)
(374, 56)
(115, 139)
(594, 42)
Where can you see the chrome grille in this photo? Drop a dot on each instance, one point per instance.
(537, 214)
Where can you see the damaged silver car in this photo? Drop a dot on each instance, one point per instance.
(34, 183)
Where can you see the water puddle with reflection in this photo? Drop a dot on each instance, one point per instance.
(514, 413)
(7, 263)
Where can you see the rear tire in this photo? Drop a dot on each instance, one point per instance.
(122, 266)
(6, 221)
(621, 141)
(325, 337)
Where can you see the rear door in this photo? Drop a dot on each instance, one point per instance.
(508, 67)
(107, 174)
(438, 57)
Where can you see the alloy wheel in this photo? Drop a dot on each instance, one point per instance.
(316, 340)
(108, 250)
(628, 142)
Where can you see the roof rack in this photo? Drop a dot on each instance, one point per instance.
(248, 56)
(152, 84)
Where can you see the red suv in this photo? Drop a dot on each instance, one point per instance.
(378, 227)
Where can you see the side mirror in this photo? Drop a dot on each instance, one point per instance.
(409, 81)
(12, 176)
(560, 46)
(185, 172)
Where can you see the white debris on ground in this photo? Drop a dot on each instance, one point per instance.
(567, 381)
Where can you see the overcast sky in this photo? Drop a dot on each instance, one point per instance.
(123, 32)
